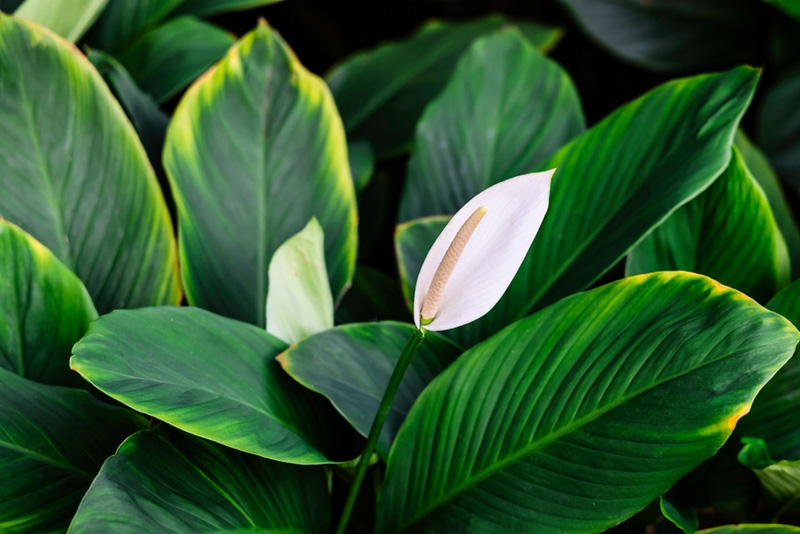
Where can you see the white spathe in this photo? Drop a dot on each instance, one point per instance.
(493, 254)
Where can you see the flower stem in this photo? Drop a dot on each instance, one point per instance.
(377, 424)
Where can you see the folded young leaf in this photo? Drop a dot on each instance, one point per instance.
(168, 481)
(577, 417)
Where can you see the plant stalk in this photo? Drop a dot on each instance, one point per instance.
(377, 424)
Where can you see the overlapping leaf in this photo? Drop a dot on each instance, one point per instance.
(381, 93)
(210, 376)
(727, 233)
(167, 481)
(351, 365)
(68, 18)
(577, 417)
(281, 161)
(506, 109)
(52, 442)
(75, 175)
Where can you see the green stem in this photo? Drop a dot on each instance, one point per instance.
(377, 424)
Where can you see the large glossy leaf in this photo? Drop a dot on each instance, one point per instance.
(672, 34)
(774, 414)
(167, 481)
(44, 309)
(52, 442)
(210, 376)
(727, 233)
(281, 161)
(381, 93)
(613, 185)
(505, 110)
(779, 124)
(169, 57)
(75, 175)
(577, 417)
(351, 365)
(759, 166)
(68, 18)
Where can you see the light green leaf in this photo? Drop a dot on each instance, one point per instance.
(577, 417)
(299, 301)
(169, 57)
(506, 109)
(68, 18)
(75, 176)
(213, 377)
(773, 417)
(52, 442)
(381, 93)
(727, 233)
(614, 184)
(683, 518)
(212, 7)
(168, 481)
(351, 365)
(281, 161)
(762, 171)
(44, 310)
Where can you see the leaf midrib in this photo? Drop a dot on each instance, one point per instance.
(45, 459)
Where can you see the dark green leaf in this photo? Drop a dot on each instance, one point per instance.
(212, 7)
(44, 310)
(167, 481)
(577, 417)
(362, 163)
(673, 34)
(683, 518)
(75, 176)
(506, 109)
(381, 93)
(52, 442)
(281, 160)
(123, 20)
(351, 365)
(727, 233)
(374, 296)
(166, 59)
(210, 376)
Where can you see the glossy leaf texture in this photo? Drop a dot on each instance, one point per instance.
(778, 124)
(68, 18)
(282, 160)
(381, 93)
(44, 310)
(759, 166)
(210, 376)
(672, 35)
(773, 417)
(299, 301)
(75, 175)
(168, 481)
(52, 442)
(351, 365)
(577, 417)
(727, 233)
(506, 109)
(169, 57)
(612, 186)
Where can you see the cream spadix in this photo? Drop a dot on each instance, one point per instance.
(475, 258)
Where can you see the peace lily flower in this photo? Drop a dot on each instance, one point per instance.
(475, 258)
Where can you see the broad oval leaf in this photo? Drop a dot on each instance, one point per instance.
(615, 183)
(52, 442)
(673, 34)
(168, 481)
(351, 365)
(773, 417)
(282, 160)
(44, 310)
(381, 93)
(75, 176)
(506, 109)
(68, 18)
(208, 375)
(577, 417)
(727, 233)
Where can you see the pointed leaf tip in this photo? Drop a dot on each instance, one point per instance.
(491, 256)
